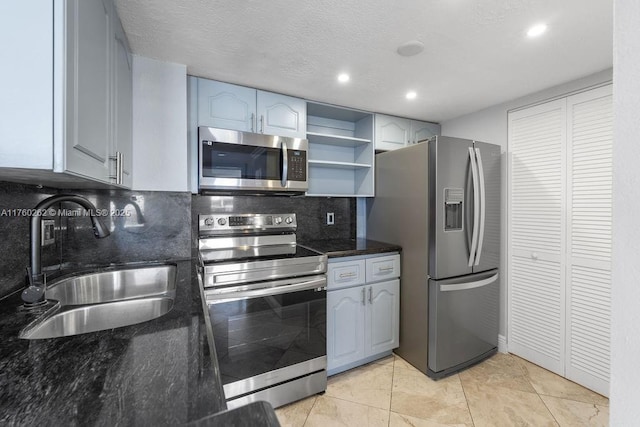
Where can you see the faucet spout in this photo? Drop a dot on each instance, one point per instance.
(34, 293)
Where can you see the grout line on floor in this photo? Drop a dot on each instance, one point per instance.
(393, 373)
(466, 399)
(310, 409)
(548, 410)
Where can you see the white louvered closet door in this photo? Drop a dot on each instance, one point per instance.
(536, 325)
(560, 202)
(589, 150)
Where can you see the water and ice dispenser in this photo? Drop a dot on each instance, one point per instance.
(453, 198)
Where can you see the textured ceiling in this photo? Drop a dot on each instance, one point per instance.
(476, 52)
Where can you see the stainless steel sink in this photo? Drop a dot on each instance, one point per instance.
(105, 300)
(116, 285)
(98, 317)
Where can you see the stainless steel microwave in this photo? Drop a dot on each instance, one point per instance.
(231, 161)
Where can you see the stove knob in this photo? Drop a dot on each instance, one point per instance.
(277, 220)
(222, 221)
(208, 222)
(288, 220)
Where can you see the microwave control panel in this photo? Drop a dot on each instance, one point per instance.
(297, 163)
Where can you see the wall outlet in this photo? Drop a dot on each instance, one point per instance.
(48, 232)
(330, 218)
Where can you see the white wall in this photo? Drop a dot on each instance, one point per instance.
(159, 125)
(625, 305)
(490, 125)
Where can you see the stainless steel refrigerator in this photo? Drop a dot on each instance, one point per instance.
(440, 200)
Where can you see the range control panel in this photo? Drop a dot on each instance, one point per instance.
(229, 223)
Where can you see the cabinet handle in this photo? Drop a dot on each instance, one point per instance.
(118, 158)
(253, 117)
(385, 269)
(363, 303)
(261, 123)
(345, 275)
(370, 295)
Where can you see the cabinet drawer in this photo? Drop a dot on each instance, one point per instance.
(383, 268)
(344, 274)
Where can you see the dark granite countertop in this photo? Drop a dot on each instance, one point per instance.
(159, 372)
(350, 247)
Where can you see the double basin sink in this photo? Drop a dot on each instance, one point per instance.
(105, 300)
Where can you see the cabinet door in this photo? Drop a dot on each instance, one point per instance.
(88, 116)
(423, 130)
(536, 234)
(281, 115)
(345, 326)
(391, 132)
(226, 106)
(122, 101)
(382, 317)
(589, 182)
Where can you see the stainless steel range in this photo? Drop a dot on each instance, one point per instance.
(267, 302)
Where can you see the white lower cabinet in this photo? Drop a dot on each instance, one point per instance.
(362, 320)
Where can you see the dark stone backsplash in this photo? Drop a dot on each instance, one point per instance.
(311, 213)
(145, 226)
(14, 232)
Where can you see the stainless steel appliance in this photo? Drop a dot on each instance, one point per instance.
(230, 161)
(440, 200)
(267, 300)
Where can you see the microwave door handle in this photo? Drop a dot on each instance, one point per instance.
(285, 164)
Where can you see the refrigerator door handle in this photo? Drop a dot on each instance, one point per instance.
(482, 206)
(476, 207)
(469, 285)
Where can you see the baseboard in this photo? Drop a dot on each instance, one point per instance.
(502, 344)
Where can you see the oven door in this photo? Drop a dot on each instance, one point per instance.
(269, 333)
(232, 160)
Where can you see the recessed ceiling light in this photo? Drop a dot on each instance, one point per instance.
(411, 95)
(343, 78)
(537, 30)
(410, 48)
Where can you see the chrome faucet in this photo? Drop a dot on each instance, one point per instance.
(34, 293)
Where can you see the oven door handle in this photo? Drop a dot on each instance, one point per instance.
(319, 284)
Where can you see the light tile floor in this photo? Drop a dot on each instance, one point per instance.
(504, 390)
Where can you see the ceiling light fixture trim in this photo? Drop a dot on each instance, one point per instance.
(410, 48)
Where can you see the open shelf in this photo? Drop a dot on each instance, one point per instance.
(340, 165)
(343, 141)
(341, 152)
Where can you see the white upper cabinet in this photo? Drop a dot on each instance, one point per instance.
(391, 132)
(123, 101)
(228, 106)
(88, 119)
(84, 91)
(397, 132)
(281, 115)
(422, 130)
